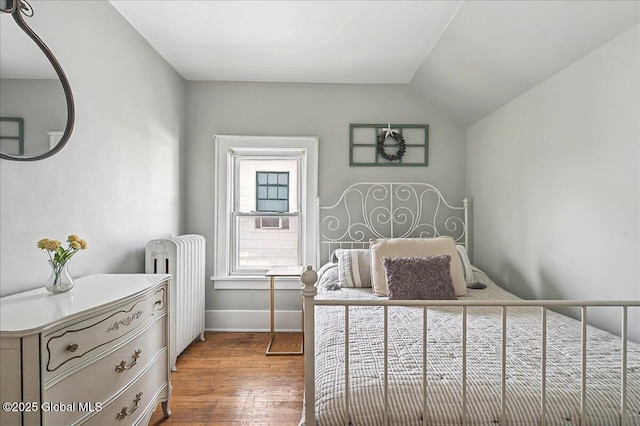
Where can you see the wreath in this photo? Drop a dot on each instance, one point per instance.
(382, 137)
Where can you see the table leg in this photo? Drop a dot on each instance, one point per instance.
(272, 297)
(272, 325)
(272, 333)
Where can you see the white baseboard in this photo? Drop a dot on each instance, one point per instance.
(252, 321)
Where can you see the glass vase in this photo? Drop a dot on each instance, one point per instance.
(59, 281)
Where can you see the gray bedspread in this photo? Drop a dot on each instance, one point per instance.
(444, 365)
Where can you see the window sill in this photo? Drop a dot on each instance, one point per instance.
(255, 283)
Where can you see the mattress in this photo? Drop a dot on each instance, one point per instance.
(444, 365)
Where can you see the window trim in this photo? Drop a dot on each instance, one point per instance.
(261, 147)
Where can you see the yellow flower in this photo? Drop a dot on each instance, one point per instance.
(58, 255)
(49, 245)
(42, 244)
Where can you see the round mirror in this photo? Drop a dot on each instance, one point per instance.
(36, 104)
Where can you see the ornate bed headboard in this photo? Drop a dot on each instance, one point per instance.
(388, 210)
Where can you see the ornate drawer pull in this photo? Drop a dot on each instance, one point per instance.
(123, 365)
(136, 403)
(72, 348)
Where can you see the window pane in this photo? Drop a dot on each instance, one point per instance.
(262, 178)
(272, 205)
(283, 178)
(273, 178)
(282, 193)
(259, 248)
(262, 192)
(272, 192)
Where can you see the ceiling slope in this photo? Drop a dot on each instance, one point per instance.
(493, 51)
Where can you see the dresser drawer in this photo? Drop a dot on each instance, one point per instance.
(132, 404)
(107, 376)
(74, 344)
(10, 383)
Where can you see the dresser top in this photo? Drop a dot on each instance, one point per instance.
(36, 309)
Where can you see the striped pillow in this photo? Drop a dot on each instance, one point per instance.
(354, 267)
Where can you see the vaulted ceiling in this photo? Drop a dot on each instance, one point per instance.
(467, 57)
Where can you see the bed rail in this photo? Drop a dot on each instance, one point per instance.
(309, 291)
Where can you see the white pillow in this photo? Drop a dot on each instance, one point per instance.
(466, 264)
(414, 247)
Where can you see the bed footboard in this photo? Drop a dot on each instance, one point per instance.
(624, 414)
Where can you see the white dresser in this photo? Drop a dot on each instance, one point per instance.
(97, 354)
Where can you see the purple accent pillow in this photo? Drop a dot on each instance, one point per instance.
(419, 278)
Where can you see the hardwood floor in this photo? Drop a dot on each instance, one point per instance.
(228, 380)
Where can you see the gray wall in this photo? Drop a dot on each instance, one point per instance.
(116, 183)
(553, 178)
(323, 110)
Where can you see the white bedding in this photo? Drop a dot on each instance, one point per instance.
(444, 365)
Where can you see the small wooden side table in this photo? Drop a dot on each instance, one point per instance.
(272, 273)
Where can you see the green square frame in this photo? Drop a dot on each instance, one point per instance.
(19, 137)
(381, 162)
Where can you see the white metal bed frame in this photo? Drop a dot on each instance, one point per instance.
(388, 210)
(392, 201)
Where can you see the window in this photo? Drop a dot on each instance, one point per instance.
(265, 205)
(272, 191)
(270, 198)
